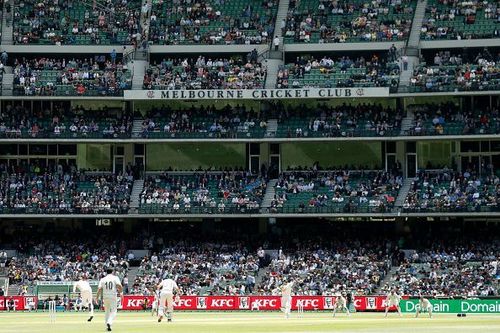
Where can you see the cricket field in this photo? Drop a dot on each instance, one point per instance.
(246, 322)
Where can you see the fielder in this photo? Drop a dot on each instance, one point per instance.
(286, 298)
(341, 303)
(110, 287)
(392, 299)
(423, 304)
(85, 290)
(166, 289)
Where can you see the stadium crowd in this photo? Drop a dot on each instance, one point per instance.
(344, 120)
(340, 22)
(342, 72)
(80, 77)
(73, 23)
(462, 270)
(220, 268)
(66, 260)
(206, 73)
(450, 72)
(448, 118)
(329, 269)
(457, 19)
(71, 192)
(336, 191)
(205, 192)
(228, 122)
(20, 121)
(212, 22)
(451, 191)
(326, 260)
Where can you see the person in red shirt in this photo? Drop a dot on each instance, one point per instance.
(80, 89)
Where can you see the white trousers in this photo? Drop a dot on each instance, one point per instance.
(286, 303)
(166, 298)
(87, 301)
(110, 309)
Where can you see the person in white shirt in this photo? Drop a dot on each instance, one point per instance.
(341, 303)
(286, 298)
(166, 288)
(276, 42)
(391, 300)
(109, 288)
(423, 305)
(86, 294)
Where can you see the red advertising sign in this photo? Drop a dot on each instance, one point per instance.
(21, 303)
(261, 303)
(371, 303)
(265, 303)
(308, 302)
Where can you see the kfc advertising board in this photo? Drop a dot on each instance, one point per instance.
(261, 303)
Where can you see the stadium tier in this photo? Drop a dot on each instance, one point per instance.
(258, 155)
(235, 264)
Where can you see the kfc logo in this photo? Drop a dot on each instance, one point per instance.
(219, 303)
(308, 303)
(265, 303)
(328, 302)
(201, 302)
(360, 92)
(371, 303)
(151, 94)
(244, 303)
(134, 303)
(183, 302)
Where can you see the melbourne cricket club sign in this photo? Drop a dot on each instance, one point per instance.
(256, 94)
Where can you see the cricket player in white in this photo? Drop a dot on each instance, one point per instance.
(85, 290)
(341, 303)
(286, 298)
(392, 299)
(166, 288)
(109, 287)
(423, 304)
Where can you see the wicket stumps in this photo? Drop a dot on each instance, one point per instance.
(300, 309)
(52, 311)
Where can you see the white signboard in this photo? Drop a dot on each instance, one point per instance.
(256, 93)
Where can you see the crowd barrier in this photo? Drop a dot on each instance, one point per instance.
(273, 303)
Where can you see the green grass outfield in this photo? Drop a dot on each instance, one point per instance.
(242, 322)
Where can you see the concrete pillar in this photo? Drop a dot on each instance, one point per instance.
(263, 223)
